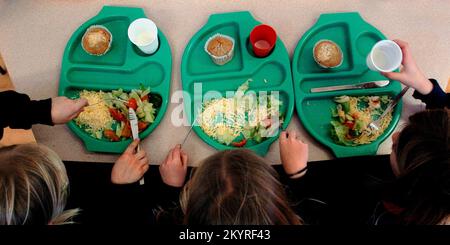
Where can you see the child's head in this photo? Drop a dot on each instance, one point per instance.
(33, 186)
(236, 187)
(421, 160)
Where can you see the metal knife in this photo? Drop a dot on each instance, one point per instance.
(133, 123)
(373, 84)
(135, 131)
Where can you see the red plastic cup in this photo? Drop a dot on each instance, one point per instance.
(263, 39)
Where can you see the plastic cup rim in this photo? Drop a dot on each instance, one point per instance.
(132, 31)
(271, 28)
(378, 44)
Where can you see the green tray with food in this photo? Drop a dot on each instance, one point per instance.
(235, 96)
(337, 96)
(101, 64)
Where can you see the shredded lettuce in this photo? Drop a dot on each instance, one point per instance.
(351, 117)
(245, 116)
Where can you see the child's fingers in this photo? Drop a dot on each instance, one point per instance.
(73, 116)
(165, 161)
(141, 154)
(143, 161)
(170, 155)
(404, 46)
(401, 43)
(131, 148)
(393, 75)
(80, 103)
(176, 152)
(283, 136)
(184, 158)
(144, 168)
(292, 135)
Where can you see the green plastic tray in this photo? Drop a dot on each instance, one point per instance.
(356, 38)
(197, 67)
(124, 66)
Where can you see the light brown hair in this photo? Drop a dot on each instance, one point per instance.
(33, 186)
(236, 187)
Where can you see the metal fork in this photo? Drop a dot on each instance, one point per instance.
(109, 99)
(375, 125)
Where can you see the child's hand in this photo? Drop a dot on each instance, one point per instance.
(293, 153)
(173, 169)
(410, 74)
(131, 165)
(64, 109)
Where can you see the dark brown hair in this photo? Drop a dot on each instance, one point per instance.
(422, 154)
(236, 187)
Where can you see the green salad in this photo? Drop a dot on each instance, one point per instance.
(352, 115)
(242, 118)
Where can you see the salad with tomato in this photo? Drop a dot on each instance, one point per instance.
(106, 116)
(352, 115)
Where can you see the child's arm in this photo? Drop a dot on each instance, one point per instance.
(427, 90)
(19, 111)
(293, 154)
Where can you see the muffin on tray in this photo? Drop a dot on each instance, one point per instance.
(220, 48)
(96, 40)
(327, 54)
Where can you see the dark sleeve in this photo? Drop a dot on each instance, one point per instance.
(169, 196)
(18, 111)
(294, 187)
(126, 193)
(437, 98)
(129, 204)
(168, 210)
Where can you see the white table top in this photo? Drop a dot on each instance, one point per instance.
(34, 34)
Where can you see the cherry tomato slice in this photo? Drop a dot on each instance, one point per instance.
(117, 115)
(144, 98)
(126, 131)
(111, 135)
(132, 103)
(240, 143)
(142, 126)
(350, 124)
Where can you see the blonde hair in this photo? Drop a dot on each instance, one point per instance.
(236, 187)
(33, 186)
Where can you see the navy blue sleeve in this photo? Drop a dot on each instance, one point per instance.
(18, 111)
(437, 98)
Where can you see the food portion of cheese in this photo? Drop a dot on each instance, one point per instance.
(226, 119)
(96, 116)
(219, 117)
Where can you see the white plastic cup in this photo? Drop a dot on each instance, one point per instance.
(144, 34)
(385, 56)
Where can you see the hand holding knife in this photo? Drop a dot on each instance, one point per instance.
(135, 131)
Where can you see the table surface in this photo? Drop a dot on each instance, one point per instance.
(34, 34)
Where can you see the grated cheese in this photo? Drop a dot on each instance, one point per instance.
(95, 117)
